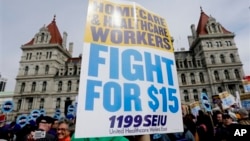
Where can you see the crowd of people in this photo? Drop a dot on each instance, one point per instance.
(219, 125)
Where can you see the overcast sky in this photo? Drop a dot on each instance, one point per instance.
(21, 20)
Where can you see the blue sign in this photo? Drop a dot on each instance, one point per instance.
(70, 116)
(71, 109)
(205, 102)
(22, 120)
(56, 116)
(42, 112)
(7, 106)
(35, 114)
(58, 111)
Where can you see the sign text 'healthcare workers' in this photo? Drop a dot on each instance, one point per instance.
(129, 82)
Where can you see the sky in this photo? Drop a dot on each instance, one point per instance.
(21, 20)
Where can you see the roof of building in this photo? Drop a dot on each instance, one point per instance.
(54, 32)
(74, 60)
(201, 28)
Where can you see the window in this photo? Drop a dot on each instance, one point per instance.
(60, 86)
(36, 70)
(69, 86)
(232, 58)
(201, 77)
(192, 78)
(186, 98)
(218, 44)
(183, 79)
(50, 54)
(33, 87)
(41, 106)
(19, 102)
(219, 90)
(216, 76)
(226, 74)
(229, 43)
(212, 59)
(26, 70)
(30, 102)
(22, 87)
(209, 44)
(44, 86)
(30, 56)
(237, 74)
(196, 97)
(46, 69)
(181, 64)
(222, 58)
(198, 63)
(204, 91)
(77, 85)
(58, 103)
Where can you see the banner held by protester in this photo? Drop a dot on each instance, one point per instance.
(129, 83)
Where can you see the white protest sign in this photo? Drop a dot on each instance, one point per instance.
(226, 99)
(195, 107)
(128, 83)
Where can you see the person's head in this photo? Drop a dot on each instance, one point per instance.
(55, 124)
(243, 113)
(219, 117)
(44, 122)
(227, 119)
(65, 129)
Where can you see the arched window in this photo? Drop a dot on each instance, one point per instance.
(216, 76)
(26, 70)
(192, 78)
(222, 58)
(201, 77)
(212, 59)
(226, 74)
(36, 70)
(196, 97)
(47, 69)
(237, 74)
(204, 91)
(219, 89)
(60, 86)
(33, 87)
(44, 86)
(19, 102)
(30, 103)
(69, 86)
(22, 87)
(58, 103)
(183, 79)
(77, 85)
(232, 58)
(186, 97)
(41, 106)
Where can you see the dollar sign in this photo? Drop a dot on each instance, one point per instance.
(154, 104)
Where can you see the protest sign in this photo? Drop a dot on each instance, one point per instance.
(195, 107)
(128, 82)
(226, 99)
(7, 106)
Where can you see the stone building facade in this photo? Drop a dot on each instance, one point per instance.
(48, 76)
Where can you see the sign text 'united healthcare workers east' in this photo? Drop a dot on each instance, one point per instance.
(128, 80)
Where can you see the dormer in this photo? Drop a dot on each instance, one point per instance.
(43, 36)
(212, 27)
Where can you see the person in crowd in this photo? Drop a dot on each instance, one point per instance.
(205, 127)
(3, 131)
(53, 129)
(44, 124)
(65, 130)
(226, 131)
(244, 119)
